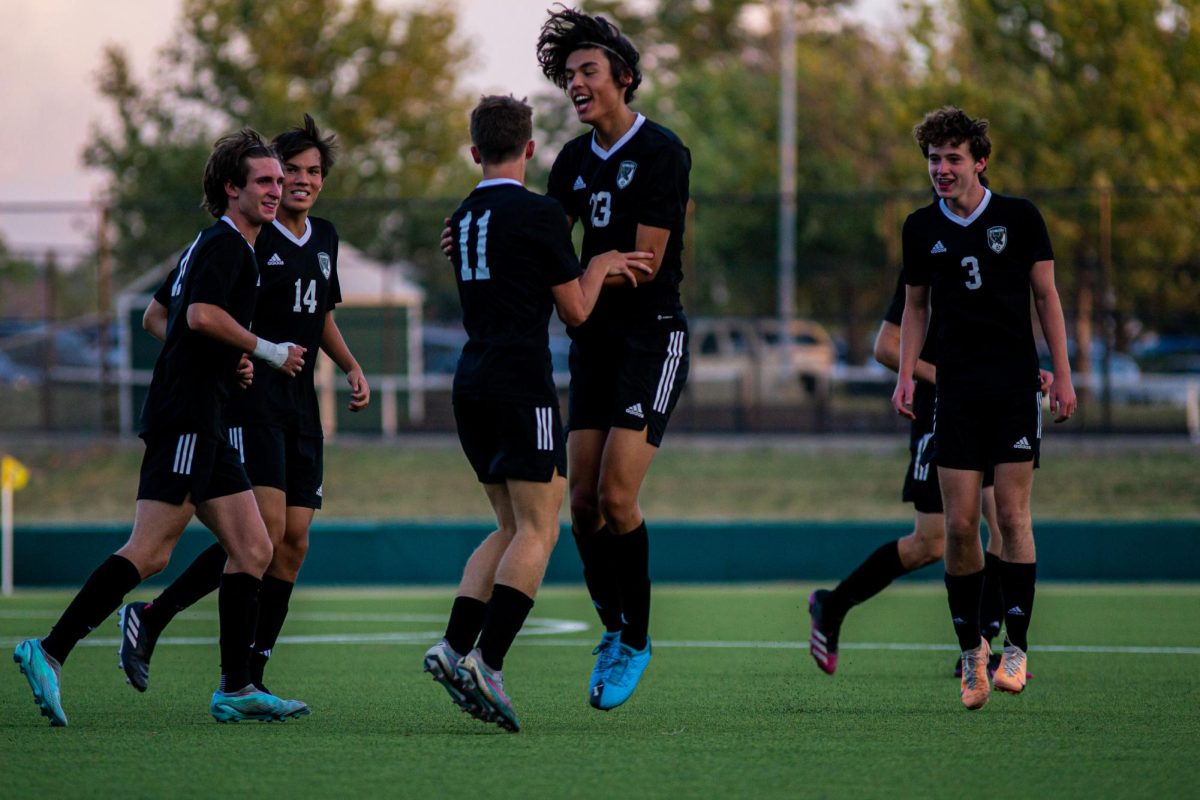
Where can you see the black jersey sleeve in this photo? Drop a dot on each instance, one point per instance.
(335, 285)
(1039, 237)
(163, 293)
(895, 309)
(215, 274)
(917, 268)
(560, 186)
(558, 252)
(662, 202)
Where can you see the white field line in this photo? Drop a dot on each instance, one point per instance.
(541, 627)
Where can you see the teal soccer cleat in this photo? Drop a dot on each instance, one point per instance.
(442, 663)
(623, 677)
(606, 655)
(486, 687)
(251, 704)
(44, 676)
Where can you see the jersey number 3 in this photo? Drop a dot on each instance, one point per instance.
(480, 271)
(975, 279)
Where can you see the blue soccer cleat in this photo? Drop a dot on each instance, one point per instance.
(44, 676)
(606, 655)
(251, 704)
(623, 676)
(486, 687)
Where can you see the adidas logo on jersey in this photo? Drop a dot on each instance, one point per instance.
(937, 248)
(275, 261)
(321, 490)
(1015, 611)
(1022, 444)
(579, 184)
(636, 411)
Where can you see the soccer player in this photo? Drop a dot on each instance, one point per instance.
(979, 254)
(189, 468)
(275, 423)
(926, 543)
(627, 182)
(514, 263)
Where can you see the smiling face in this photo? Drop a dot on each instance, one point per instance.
(955, 173)
(258, 200)
(302, 181)
(591, 87)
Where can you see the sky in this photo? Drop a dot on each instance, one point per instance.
(48, 74)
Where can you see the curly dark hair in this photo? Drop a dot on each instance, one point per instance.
(950, 125)
(227, 163)
(296, 140)
(569, 29)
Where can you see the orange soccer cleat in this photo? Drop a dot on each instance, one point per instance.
(1010, 675)
(975, 687)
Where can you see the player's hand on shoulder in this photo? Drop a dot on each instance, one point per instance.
(360, 391)
(1045, 380)
(447, 242)
(1062, 400)
(902, 398)
(245, 372)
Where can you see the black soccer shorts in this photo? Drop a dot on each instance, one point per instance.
(628, 379)
(283, 459)
(178, 466)
(507, 440)
(921, 485)
(979, 432)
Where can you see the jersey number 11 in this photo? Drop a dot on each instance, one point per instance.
(480, 271)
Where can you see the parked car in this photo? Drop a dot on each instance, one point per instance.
(16, 375)
(732, 348)
(1169, 353)
(72, 347)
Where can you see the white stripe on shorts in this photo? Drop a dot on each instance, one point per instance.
(545, 428)
(1039, 408)
(920, 470)
(667, 381)
(236, 442)
(185, 448)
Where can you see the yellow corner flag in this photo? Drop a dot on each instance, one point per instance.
(13, 474)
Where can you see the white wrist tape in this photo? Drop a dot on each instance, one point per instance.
(270, 352)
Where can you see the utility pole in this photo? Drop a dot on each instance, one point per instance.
(787, 182)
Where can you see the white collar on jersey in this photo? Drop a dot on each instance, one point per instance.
(629, 134)
(965, 221)
(303, 240)
(233, 225)
(490, 182)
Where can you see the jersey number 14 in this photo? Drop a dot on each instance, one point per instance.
(309, 298)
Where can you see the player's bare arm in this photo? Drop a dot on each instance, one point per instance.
(154, 321)
(213, 321)
(649, 240)
(887, 353)
(913, 326)
(574, 300)
(334, 345)
(1054, 328)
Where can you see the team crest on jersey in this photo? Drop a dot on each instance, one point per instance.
(997, 238)
(625, 173)
(323, 260)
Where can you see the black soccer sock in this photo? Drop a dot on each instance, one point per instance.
(963, 592)
(1018, 581)
(869, 579)
(991, 607)
(466, 621)
(272, 611)
(100, 596)
(506, 613)
(201, 578)
(599, 573)
(632, 554)
(237, 604)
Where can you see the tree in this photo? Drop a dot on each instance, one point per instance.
(384, 81)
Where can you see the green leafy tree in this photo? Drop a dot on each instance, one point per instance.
(384, 81)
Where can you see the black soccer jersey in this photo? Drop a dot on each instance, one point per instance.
(299, 286)
(641, 180)
(194, 373)
(978, 269)
(513, 246)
